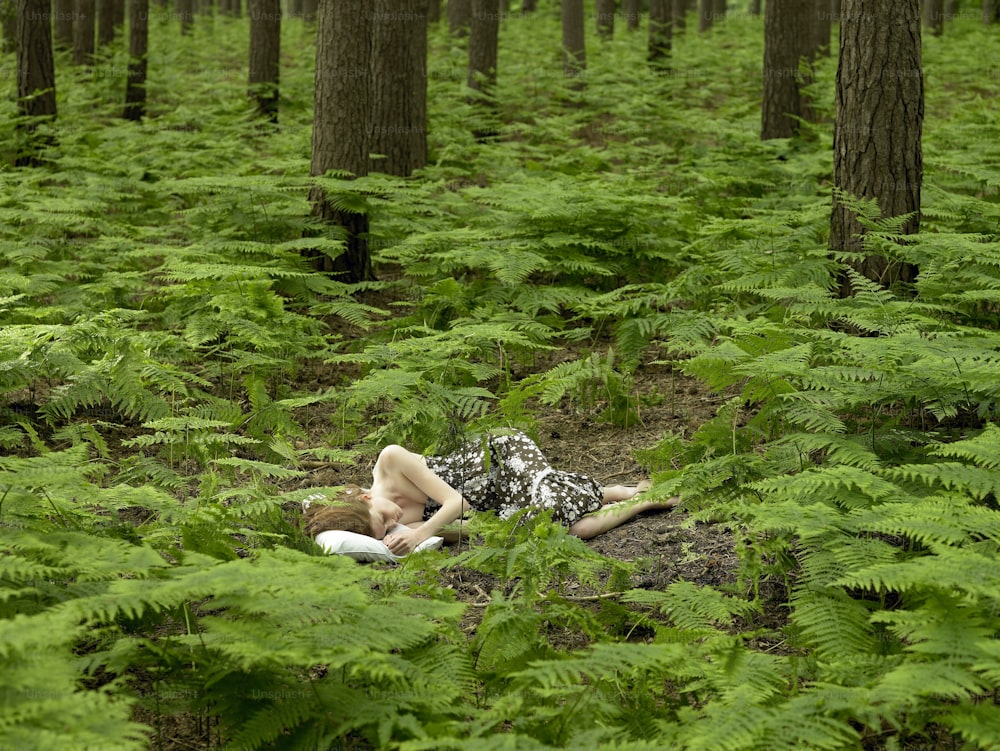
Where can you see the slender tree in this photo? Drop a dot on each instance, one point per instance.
(341, 124)
(83, 32)
(308, 11)
(483, 38)
(706, 14)
(877, 137)
(106, 17)
(660, 32)
(574, 47)
(459, 17)
(399, 86)
(138, 47)
(433, 11)
(185, 11)
(62, 28)
(8, 16)
(934, 16)
(36, 79)
(990, 11)
(679, 14)
(605, 12)
(265, 54)
(632, 11)
(786, 26)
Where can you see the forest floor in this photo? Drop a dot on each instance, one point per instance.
(664, 546)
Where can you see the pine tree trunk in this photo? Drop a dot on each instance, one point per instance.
(679, 14)
(754, 9)
(820, 23)
(785, 27)
(529, 6)
(877, 136)
(106, 21)
(36, 79)
(341, 124)
(483, 37)
(265, 55)
(138, 48)
(605, 12)
(399, 86)
(308, 11)
(295, 8)
(83, 32)
(63, 10)
(574, 47)
(459, 17)
(433, 11)
(8, 11)
(706, 14)
(185, 11)
(660, 33)
(989, 11)
(934, 16)
(632, 12)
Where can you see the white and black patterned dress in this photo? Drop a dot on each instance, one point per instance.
(513, 476)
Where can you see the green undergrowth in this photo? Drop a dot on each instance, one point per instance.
(172, 368)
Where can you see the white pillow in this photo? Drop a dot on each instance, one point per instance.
(365, 548)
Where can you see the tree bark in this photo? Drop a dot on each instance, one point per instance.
(989, 11)
(459, 17)
(605, 12)
(265, 55)
(483, 38)
(36, 79)
(679, 14)
(83, 32)
(574, 47)
(185, 11)
(106, 15)
(399, 86)
(785, 29)
(632, 12)
(63, 10)
(877, 136)
(309, 11)
(706, 14)
(138, 48)
(341, 124)
(433, 11)
(934, 16)
(660, 32)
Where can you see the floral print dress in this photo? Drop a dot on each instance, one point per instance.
(507, 472)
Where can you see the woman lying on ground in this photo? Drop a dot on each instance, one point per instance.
(505, 473)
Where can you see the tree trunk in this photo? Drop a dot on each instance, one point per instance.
(341, 124)
(459, 17)
(706, 14)
(483, 37)
(106, 15)
(632, 11)
(399, 86)
(83, 32)
(433, 11)
(138, 48)
(185, 11)
(308, 11)
(295, 8)
(880, 109)
(835, 11)
(934, 16)
(63, 10)
(786, 26)
(989, 11)
(574, 47)
(820, 23)
(36, 79)
(8, 11)
(679, 14)
(265, 55)
(754, 9)
(605, 12)
(660, 33)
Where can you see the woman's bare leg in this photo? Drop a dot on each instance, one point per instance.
(615, 493)
(616, 513)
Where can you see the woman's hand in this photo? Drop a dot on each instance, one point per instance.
(403, 541)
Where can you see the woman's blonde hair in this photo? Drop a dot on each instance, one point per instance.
(348, 512)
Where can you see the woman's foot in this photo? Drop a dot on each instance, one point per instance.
(615, 493)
